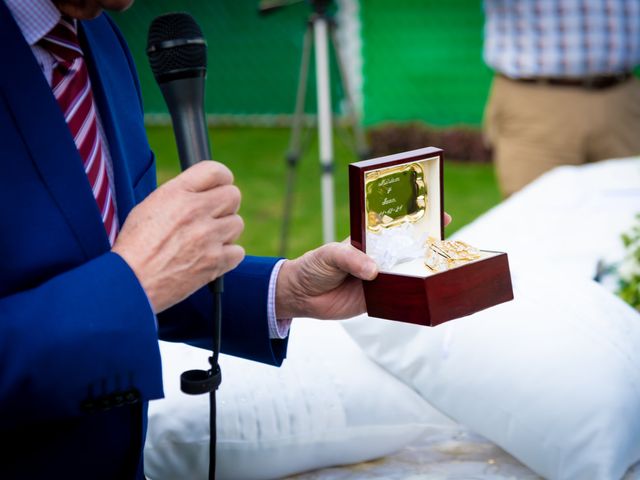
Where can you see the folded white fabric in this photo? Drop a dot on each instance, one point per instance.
(552, 377)
(327, 405)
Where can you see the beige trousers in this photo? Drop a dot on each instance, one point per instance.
(535, 127)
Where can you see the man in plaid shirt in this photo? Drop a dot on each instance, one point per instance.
(564, 90)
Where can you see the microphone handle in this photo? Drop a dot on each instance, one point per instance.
(185, 98)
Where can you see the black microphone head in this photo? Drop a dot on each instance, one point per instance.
(176, 47)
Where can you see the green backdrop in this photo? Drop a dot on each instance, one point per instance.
(423, 61)
(422, 58)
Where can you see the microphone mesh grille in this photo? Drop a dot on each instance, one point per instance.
(170, 27)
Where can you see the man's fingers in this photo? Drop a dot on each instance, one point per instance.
(220, 201)
(204, 176)
(229, 228)
(349, 259)
(447, 219)
(232, 255)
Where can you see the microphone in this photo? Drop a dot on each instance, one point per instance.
(178, 56)
(177, 53)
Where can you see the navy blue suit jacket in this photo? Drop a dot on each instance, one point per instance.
(79, 354)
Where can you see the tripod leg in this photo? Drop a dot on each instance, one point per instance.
(325, 131)
(295, 142)
(353, 115)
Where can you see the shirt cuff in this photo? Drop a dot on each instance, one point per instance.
(278, 328)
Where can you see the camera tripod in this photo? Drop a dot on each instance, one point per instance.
(319, 33)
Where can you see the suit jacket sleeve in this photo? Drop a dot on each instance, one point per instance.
(82, 334)
(245, 330)
(75, 325)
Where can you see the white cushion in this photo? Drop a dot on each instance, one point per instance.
(565, 221)
(552, 377)
(327, 405)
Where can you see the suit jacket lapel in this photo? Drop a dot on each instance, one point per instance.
(47, 138)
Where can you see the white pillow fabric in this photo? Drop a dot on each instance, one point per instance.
(327, 405)
(552, 377)
(565, 221)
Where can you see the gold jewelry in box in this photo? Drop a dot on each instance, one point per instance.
(441, 255)
(395, 195)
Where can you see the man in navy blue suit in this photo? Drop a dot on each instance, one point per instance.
(96, 263)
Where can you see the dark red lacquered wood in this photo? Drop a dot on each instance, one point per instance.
(439, 297)
(357, 172)
(443, 296)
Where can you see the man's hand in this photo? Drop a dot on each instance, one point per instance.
(326, 283)
(181, 236)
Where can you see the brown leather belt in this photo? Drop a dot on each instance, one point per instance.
(599, 82)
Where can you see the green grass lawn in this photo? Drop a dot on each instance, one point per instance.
(256, 156)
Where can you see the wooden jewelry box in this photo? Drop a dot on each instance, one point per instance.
(397, 217)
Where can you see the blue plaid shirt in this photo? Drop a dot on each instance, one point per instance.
(562, 38)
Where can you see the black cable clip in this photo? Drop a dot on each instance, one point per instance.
(197, 382)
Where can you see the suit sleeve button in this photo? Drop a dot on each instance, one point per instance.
(104, 403)
(131, 396)
(118, 399)
(88, 406)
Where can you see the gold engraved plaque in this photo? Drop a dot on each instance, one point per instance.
(395, 195)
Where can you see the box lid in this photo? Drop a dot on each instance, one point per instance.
(405, 188)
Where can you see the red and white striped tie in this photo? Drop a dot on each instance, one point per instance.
(72, 88)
